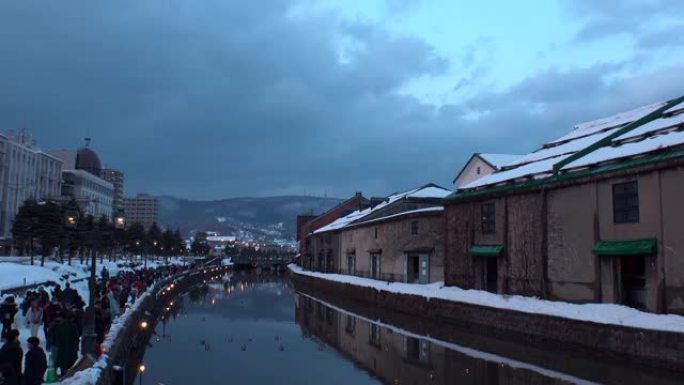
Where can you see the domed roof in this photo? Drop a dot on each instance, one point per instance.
(87, 160)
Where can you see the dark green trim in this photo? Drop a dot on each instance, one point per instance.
(561, 176)
(632, 247)
(608, 139)
(486, 250)
(662, 156)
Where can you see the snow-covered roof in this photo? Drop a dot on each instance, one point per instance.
(655, 135)
(617, 120)
(424, 192)
(417, 211)
(499, 160)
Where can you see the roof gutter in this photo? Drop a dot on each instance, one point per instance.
(607, 140)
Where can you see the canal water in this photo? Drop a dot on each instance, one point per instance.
(248, 328)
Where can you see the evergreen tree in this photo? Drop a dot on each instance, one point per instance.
(154, 235)
(73, 239)
(168, 242)
(179, 243)
(136, 234)
(199, 244)
(24, 227)
(105, 236)
(49, 228)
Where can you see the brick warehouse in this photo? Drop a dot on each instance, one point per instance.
(594, 216)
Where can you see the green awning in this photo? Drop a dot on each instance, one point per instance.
(486, 250)
(633, 247)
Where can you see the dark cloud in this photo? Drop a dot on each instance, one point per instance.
(635, 18)
(214, 99)
(665, 38)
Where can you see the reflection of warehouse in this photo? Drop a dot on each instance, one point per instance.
(397, 358)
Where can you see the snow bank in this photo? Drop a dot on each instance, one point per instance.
(610, 314)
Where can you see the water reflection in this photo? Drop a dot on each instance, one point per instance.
(250, 328)
(241, 329)
(399, 357)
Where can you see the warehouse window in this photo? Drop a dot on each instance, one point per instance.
(488, 218)
(626, 202)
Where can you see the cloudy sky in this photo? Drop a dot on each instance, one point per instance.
(221, 98)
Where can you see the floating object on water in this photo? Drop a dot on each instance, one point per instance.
(282, 348)
(244, 347)
(277, 338)
(202, 342)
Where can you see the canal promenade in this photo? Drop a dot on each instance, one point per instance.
(124, 346)
(603, 330)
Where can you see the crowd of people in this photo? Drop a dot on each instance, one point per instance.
(62, 315)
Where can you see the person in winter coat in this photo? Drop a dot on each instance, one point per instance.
(64, 335)
(52, 310)
(8, 376)
(69, 296)
(11, 352)
(114, 306)
(8, 309)
(35, 363)
(34, 317)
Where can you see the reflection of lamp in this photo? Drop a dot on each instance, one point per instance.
(143, 325)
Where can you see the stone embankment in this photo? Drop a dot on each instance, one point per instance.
(640, 347)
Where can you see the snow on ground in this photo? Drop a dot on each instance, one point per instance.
(17, 274)
(227, 262)
(602, 313)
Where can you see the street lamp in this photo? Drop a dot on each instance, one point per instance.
(137, 247)
(155, 249)
(142, 370)
(89, 336)
(120, 226)
(120, 221)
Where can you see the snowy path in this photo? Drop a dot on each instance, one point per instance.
(602, 313)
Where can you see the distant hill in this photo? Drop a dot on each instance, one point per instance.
(258, 218)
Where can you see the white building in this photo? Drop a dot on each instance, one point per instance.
(82, 180)
(25, 173)
(480, 165)
(143, 209)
